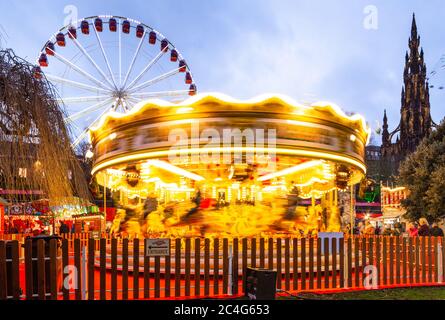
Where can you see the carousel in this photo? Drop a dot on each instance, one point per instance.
(218, 167)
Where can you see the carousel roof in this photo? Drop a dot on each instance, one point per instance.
(260, 103)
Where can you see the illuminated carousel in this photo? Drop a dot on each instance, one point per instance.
(214, 166)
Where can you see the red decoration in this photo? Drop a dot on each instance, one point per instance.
(2, 218)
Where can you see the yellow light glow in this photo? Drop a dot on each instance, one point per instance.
(338, 111)
(231, 172)
(224, 99)
(310, 182)
(166, 153)
(287, 171)
(112, 136)
(120, 173)
(184, 110)
(174, 169)
(316, 194)
(393, 190)
(274, 188)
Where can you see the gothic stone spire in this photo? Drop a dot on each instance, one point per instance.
(415, 122)
(385, 132)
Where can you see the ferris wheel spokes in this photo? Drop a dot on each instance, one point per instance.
(155, 80)
(120, 53)
(147, 67)
(87, 129)
(133, 101)
(75, 84)
(172, 93)
(134, 58)
(126, 104)
(80, 70)
(105, 57)
(88, 110)
(82, 49)
(82, 99)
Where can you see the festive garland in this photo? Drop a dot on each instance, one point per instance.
(86, 215)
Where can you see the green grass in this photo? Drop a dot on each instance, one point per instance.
(424, 293)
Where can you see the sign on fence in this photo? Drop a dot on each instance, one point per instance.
(95, 235)
(157, 247)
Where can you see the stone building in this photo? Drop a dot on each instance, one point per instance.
(415, 121)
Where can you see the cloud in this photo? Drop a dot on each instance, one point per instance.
(282, 57)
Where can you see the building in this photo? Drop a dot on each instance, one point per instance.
(373, 163)
(415, 122)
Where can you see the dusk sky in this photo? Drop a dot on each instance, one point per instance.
(309, 50)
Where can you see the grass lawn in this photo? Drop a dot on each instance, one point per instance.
(425, 293)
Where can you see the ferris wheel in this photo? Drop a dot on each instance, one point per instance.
(110, 63)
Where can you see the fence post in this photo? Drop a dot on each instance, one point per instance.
(346, 265)
(230, 269)
(439, 263)
(84, 271)
(3, 272)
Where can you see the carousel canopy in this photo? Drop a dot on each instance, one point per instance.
(270, 142)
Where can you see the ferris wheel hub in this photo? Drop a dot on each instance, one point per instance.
(120, 94)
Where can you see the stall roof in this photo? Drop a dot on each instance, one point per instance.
(391, 213)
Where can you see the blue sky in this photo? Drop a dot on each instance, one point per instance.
(309, 50)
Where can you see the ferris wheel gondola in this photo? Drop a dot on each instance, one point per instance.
(96, 69)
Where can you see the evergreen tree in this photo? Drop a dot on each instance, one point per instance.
(423, 173)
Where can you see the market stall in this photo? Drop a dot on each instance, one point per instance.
(3, 204)
(41, 216)
(392, 205)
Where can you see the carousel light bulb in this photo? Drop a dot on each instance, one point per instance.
(145, 171)
(112, 136)
(89, 154)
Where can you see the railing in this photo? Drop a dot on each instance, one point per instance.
(110, 268)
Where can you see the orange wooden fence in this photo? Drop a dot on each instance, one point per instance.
(78, 267)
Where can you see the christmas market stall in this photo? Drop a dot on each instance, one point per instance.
(3, 204)
(392, 205)
(41, 217)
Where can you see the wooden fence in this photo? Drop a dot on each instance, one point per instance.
(79, 267)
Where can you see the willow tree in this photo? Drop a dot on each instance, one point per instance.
(35, 149)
